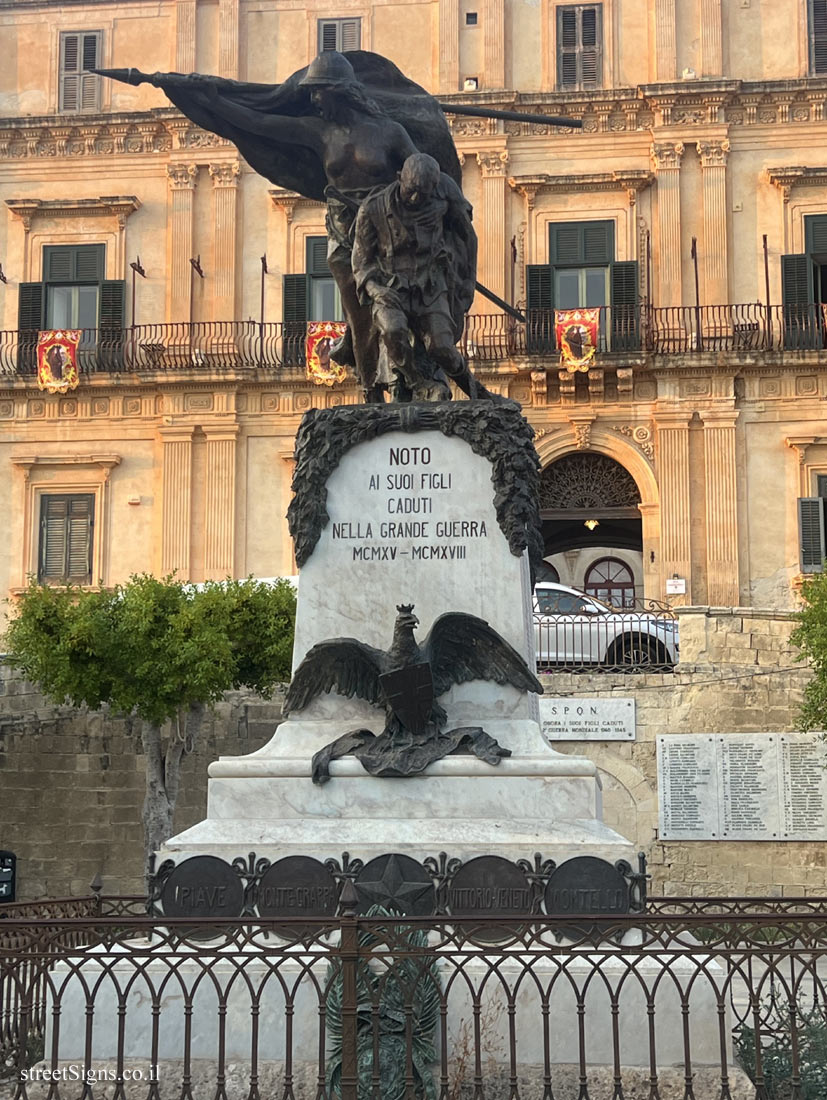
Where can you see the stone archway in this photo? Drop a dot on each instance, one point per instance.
(609, 481)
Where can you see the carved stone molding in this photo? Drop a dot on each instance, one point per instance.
(493, 163)
(667, 154)
(290, 201)
(713, 154)
(640, 435)
(225, 175)
(116, 206)
(581, 426)
(800, 444)
(182, 177)
(633, 180)
(785, 179)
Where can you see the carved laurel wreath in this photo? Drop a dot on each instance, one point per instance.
(497, 432)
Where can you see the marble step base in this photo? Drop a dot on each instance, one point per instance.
(465, 838)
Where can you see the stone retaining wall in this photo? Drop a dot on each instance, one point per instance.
(71, 782)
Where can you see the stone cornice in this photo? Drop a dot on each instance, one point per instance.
(290, 201)
(787, 178)
(690, 104)
(116, 206)
(631, 181)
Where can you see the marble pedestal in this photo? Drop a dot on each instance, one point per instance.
(439, 518)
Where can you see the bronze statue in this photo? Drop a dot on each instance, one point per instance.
(414, 262)
(407, 680)
(334, 131)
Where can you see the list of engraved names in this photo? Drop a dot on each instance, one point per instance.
(759, 786)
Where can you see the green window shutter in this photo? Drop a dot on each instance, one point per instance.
(74, 263)
(540, 308)
(575, 244)
(316, 256)
(811, 534)
(30, 307)
(29, 323)
(815, 231)
(66, 523)
(295, 298)
(598, 242)
(796, 279)
(112, 304)
(802, 326)
(625, 311)
(294, 313)
(818, 36)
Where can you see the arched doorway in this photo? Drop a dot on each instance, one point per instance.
(591, 519)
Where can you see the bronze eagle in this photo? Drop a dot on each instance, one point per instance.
(407, 680)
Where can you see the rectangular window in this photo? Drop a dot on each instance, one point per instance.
(80, 52)
(323, 301)
(818, 36)
(339, 34)
(65, 548)
(580, 46)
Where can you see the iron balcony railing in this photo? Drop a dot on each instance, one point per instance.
(695, 1005)
(488, 338)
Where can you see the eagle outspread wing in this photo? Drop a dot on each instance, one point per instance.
(344, 664)
(462, 647)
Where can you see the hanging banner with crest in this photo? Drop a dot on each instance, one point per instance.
(321, 369)
(576, 331)
(57, 360)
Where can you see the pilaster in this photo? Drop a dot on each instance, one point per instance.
(712, 62)
(219, 534)
(182, 179)
(177, 501)
(666, 50)
(448, 45)
(494, 53)
(225, 201)
(713, 156)
(228, 38)
(666, 158)
(673, 470)
(494, 187)
(721, 508)
(185, 36)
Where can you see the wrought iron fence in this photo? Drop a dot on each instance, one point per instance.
(583, 1007)
(625, 640)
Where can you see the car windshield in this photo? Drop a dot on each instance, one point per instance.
(551, 601)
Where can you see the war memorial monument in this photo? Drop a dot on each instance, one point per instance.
(410, 775)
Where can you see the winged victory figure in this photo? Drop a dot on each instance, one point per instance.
(407, 680)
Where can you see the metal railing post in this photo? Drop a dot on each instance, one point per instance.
(349, 955)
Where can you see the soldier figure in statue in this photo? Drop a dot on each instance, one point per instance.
(335, 131)
(414, 263)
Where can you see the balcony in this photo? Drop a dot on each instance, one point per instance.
(224, 346)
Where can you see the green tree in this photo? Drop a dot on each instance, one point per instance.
(160, 650)
(811, 638)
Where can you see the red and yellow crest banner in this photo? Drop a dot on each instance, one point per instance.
(576, 331)
(321, 369)
(57, 360)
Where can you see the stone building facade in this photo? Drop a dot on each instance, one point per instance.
(698, 428)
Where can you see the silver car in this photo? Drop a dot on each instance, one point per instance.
(573, 629)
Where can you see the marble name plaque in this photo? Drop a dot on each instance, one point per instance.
(745, 786)
(587, 719)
